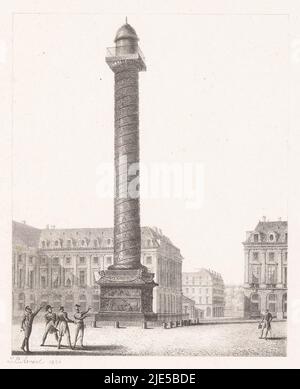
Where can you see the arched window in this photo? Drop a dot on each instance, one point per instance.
(68, 282)
(255, 304)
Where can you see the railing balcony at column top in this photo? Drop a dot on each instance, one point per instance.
(124, 53)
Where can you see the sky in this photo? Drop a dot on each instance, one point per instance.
(215, 95)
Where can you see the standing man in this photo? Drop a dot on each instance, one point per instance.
(26, 326)
(266, 324)
(62, 324)
(50, 318)
(79, 321)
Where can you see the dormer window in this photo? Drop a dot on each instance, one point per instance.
(82, 243)
(56, 243)
(271, 237)
(69, 243)
(286, 236)
(148, 242)
(95, 243)
(108, 241)
(43, 244)
(256, 238)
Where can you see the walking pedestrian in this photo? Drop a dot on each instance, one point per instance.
(26, 326)
(266, 324)
(79, 321)
(62, 324)
(50, 319)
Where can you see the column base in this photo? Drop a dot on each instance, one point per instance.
(126, 295)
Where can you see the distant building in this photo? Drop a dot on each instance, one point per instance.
(234, 301)
(206, 288)
(189, 310)
(57, 266)
(266, 261)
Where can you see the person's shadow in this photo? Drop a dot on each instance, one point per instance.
(277, 338)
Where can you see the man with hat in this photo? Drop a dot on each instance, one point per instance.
(79, 321)
(50, 319)
(26, 326)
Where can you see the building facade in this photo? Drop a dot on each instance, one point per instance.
(234, 301)
(266, 260)
(206, 288)
(189, 311)
(58, 266)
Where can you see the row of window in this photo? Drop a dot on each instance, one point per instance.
(200, 290)
(81, 261)
(59, 243)
(73, 243)
(55, 282)
(271, 237)
(271, 256)
(271, 274)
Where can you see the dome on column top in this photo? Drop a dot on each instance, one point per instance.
(126, 32)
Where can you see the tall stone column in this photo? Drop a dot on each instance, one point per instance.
(127, 286)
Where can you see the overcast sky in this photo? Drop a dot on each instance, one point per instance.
(215, 93)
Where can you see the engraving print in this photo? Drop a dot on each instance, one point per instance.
(147, 149)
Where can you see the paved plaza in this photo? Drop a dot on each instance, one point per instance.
(201, 340)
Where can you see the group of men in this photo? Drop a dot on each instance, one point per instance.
(57, 324)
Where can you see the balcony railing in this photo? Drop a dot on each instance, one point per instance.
(125, 52)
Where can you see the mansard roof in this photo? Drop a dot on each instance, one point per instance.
(25, 235)
(267, 228)
(33, 237)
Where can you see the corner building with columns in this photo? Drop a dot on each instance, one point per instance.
(266, 261)
(57, 266)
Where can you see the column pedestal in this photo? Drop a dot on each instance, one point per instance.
(126, 295)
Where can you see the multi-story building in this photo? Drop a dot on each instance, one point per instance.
(266, 252)
(234, 301)
(58, 266)
(206, 288)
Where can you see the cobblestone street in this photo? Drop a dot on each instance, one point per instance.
(202, 340)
